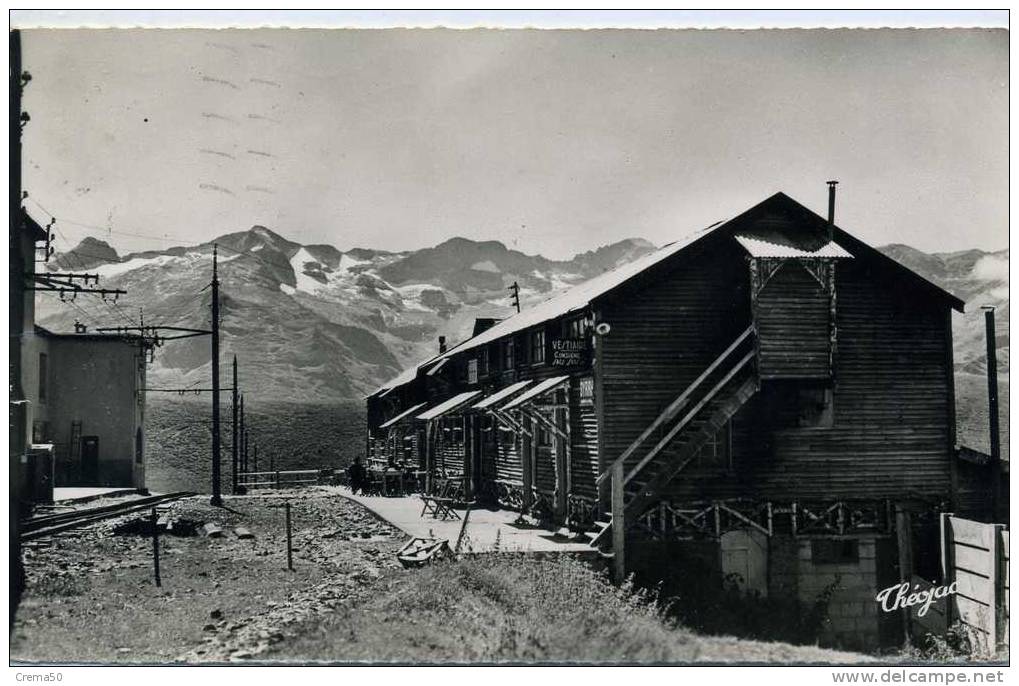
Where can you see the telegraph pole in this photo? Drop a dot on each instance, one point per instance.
(992, 409)
(240, 438)
(233, 443)
(217, 498)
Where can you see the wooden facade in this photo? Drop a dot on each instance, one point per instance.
(771, 372)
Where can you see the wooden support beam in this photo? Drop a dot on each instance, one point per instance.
(903, 534)
(528, 450)
(618, 525)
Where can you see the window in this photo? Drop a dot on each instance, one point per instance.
(43, 376)
(576, 328)
(40, 431)
(825, 551)
(799, 404)
(587, 390)
(543, 436)
(484, 364)
(507, 354)
(538, 347)
(472, 371)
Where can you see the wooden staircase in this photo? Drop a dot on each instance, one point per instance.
(678, 434)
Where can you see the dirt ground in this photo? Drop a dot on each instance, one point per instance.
(91, 598)
(91, 595)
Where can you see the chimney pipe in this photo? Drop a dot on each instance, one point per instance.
(442, 344)
(831, 207)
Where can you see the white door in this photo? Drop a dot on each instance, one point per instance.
(745, 560)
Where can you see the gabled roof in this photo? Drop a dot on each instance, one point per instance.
(580, 296)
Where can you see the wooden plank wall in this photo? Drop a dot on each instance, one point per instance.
(506, 461)
(584, 445)
(1004, 580)
(794, 325)
(889, 435)
(449, 454)
(664, 332)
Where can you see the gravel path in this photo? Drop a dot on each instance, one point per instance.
(222, 599)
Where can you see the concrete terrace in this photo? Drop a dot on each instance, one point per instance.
(484, 527)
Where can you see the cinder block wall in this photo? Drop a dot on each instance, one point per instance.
(853, 612)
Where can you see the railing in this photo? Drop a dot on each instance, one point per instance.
(676, 406)
(279, 479)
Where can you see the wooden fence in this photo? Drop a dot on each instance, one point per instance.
(975, 558)
(282, 479)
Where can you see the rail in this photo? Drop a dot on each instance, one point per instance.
(37, 527)
(675, 406)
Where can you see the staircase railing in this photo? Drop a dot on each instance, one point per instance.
(676, 406)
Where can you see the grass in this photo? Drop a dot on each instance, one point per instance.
(288, 436)
(513, 608)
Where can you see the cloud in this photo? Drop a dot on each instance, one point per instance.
(991, 268)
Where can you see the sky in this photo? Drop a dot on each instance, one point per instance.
(553, 142)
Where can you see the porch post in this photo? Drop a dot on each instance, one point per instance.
(527, 449)
(618, 525)
(468, 456)
(562, 459)
(428, 455)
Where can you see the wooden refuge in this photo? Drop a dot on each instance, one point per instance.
(769, 387)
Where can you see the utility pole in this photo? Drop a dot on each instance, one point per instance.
(217, 498)
(516, 295)
(240, 439)
(992, 409)
(233, 443)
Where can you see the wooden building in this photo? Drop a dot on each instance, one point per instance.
(769, 387)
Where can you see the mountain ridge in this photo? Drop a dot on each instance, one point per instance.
(312, 322)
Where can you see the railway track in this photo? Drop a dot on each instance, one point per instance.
(38, 527)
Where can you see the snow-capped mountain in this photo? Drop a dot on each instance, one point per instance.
(310, 322)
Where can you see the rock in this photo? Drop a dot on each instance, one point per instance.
(241, 532)
(209, 627)
(123, 650)
(216, 614)
(241, 655)
(210, 530)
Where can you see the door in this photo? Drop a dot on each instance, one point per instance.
(90, 460)
(745, 560)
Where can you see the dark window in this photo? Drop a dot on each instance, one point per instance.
(576, 328)
(43, 376)
(587, 390)
(544, 436)
(40, 431)
(538, 347)
(507, 354)
(484, 364)
(139, 448)
(825, 551)
(799, 404)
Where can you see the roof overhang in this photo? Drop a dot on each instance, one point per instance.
(761, 248)
(447, 406)
(500, 395)
(403, 415)
(534, 393)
